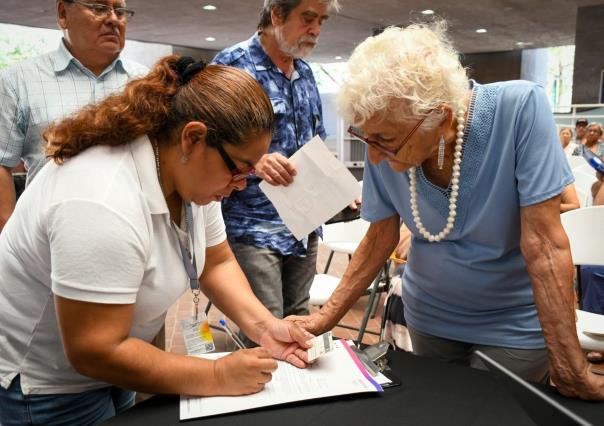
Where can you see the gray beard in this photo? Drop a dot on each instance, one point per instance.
(294, 50)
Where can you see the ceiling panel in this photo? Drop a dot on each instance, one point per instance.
(541, 23)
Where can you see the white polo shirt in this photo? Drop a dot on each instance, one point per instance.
(96, 229)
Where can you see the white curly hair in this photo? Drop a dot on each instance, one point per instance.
(404, 73)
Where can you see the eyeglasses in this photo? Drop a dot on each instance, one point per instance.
(102, 11)
(375, 145)
(236, 174)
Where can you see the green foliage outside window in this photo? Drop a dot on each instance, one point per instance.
(18, 43)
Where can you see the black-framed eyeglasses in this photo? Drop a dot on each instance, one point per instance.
(102, 11)
(236, 174)
(375, 145)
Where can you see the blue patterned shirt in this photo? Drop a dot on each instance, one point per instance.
(40, 90)
(249, 216)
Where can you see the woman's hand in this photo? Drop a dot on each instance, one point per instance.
(286, 341)
(275, 169)
(244, 372)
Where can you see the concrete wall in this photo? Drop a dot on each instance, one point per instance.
(589, 56)
(205, 54)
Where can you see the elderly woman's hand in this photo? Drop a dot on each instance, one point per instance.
(311, 323)
(287, 341)
(589, 387)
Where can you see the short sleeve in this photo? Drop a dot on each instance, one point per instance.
(97, 255)
(376, 204)
(214, 224)
(12, 123)
(542, 171)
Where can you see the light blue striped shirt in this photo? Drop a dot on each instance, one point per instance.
(38, 91)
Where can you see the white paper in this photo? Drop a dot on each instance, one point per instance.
(335, 373)
(322, 188)
(591, 323)
(320, 345)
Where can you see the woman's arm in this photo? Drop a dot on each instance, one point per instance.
(569, 199)
(546, 251)
(377, 245)
(96, 342)
(225, 284)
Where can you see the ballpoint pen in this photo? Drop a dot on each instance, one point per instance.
(232, 335)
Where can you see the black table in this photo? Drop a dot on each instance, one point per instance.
(432, 393)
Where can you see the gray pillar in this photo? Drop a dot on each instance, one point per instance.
(589, 56)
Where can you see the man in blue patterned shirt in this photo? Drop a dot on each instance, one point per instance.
(280, 268)
(84, 69)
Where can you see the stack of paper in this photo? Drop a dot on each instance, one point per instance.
(322, 187)
(338, 372)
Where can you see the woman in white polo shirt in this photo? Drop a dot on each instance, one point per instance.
(114, 230)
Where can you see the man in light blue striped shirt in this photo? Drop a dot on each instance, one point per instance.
(84, 69)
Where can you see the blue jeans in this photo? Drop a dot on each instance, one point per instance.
(86, 408)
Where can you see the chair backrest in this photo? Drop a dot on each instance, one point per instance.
(584, 197)
(352, 231)
(584, 180)
(583, 183)
(585, 230)
(584, 168)
(576, 161)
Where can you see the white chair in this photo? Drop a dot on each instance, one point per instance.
(585, 230)
(575, 161)
(584, 168)
(324, 285)
(343, 237)
(583, 183)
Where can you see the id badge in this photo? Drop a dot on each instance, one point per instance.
(197, 335)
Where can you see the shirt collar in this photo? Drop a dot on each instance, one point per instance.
(62, 58)
(144, 161)
(261, 60)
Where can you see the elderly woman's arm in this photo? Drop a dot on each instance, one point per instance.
(377, 245)
(546, 251)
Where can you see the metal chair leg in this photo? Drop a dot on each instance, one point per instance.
(368, 308)
(328, 262)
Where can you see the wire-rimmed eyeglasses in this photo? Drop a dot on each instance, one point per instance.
(377, 146)
(102, 11)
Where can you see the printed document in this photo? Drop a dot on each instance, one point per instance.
(338, 372)
(322, 187)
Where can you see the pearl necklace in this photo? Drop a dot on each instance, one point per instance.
(454, 187)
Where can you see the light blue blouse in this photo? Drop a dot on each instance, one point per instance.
(474, 286)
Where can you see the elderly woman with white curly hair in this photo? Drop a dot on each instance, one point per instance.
(475, 171)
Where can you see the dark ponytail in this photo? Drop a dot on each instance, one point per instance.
(230, 102)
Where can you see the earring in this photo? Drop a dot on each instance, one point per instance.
(184, 159)
(441, 153)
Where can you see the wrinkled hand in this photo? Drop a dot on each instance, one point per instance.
(275, 169)
(311, 323)
(588, 386)
(355, 204)
(286, 341)
(244, 372)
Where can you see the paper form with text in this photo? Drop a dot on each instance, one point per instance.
(338, 372)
